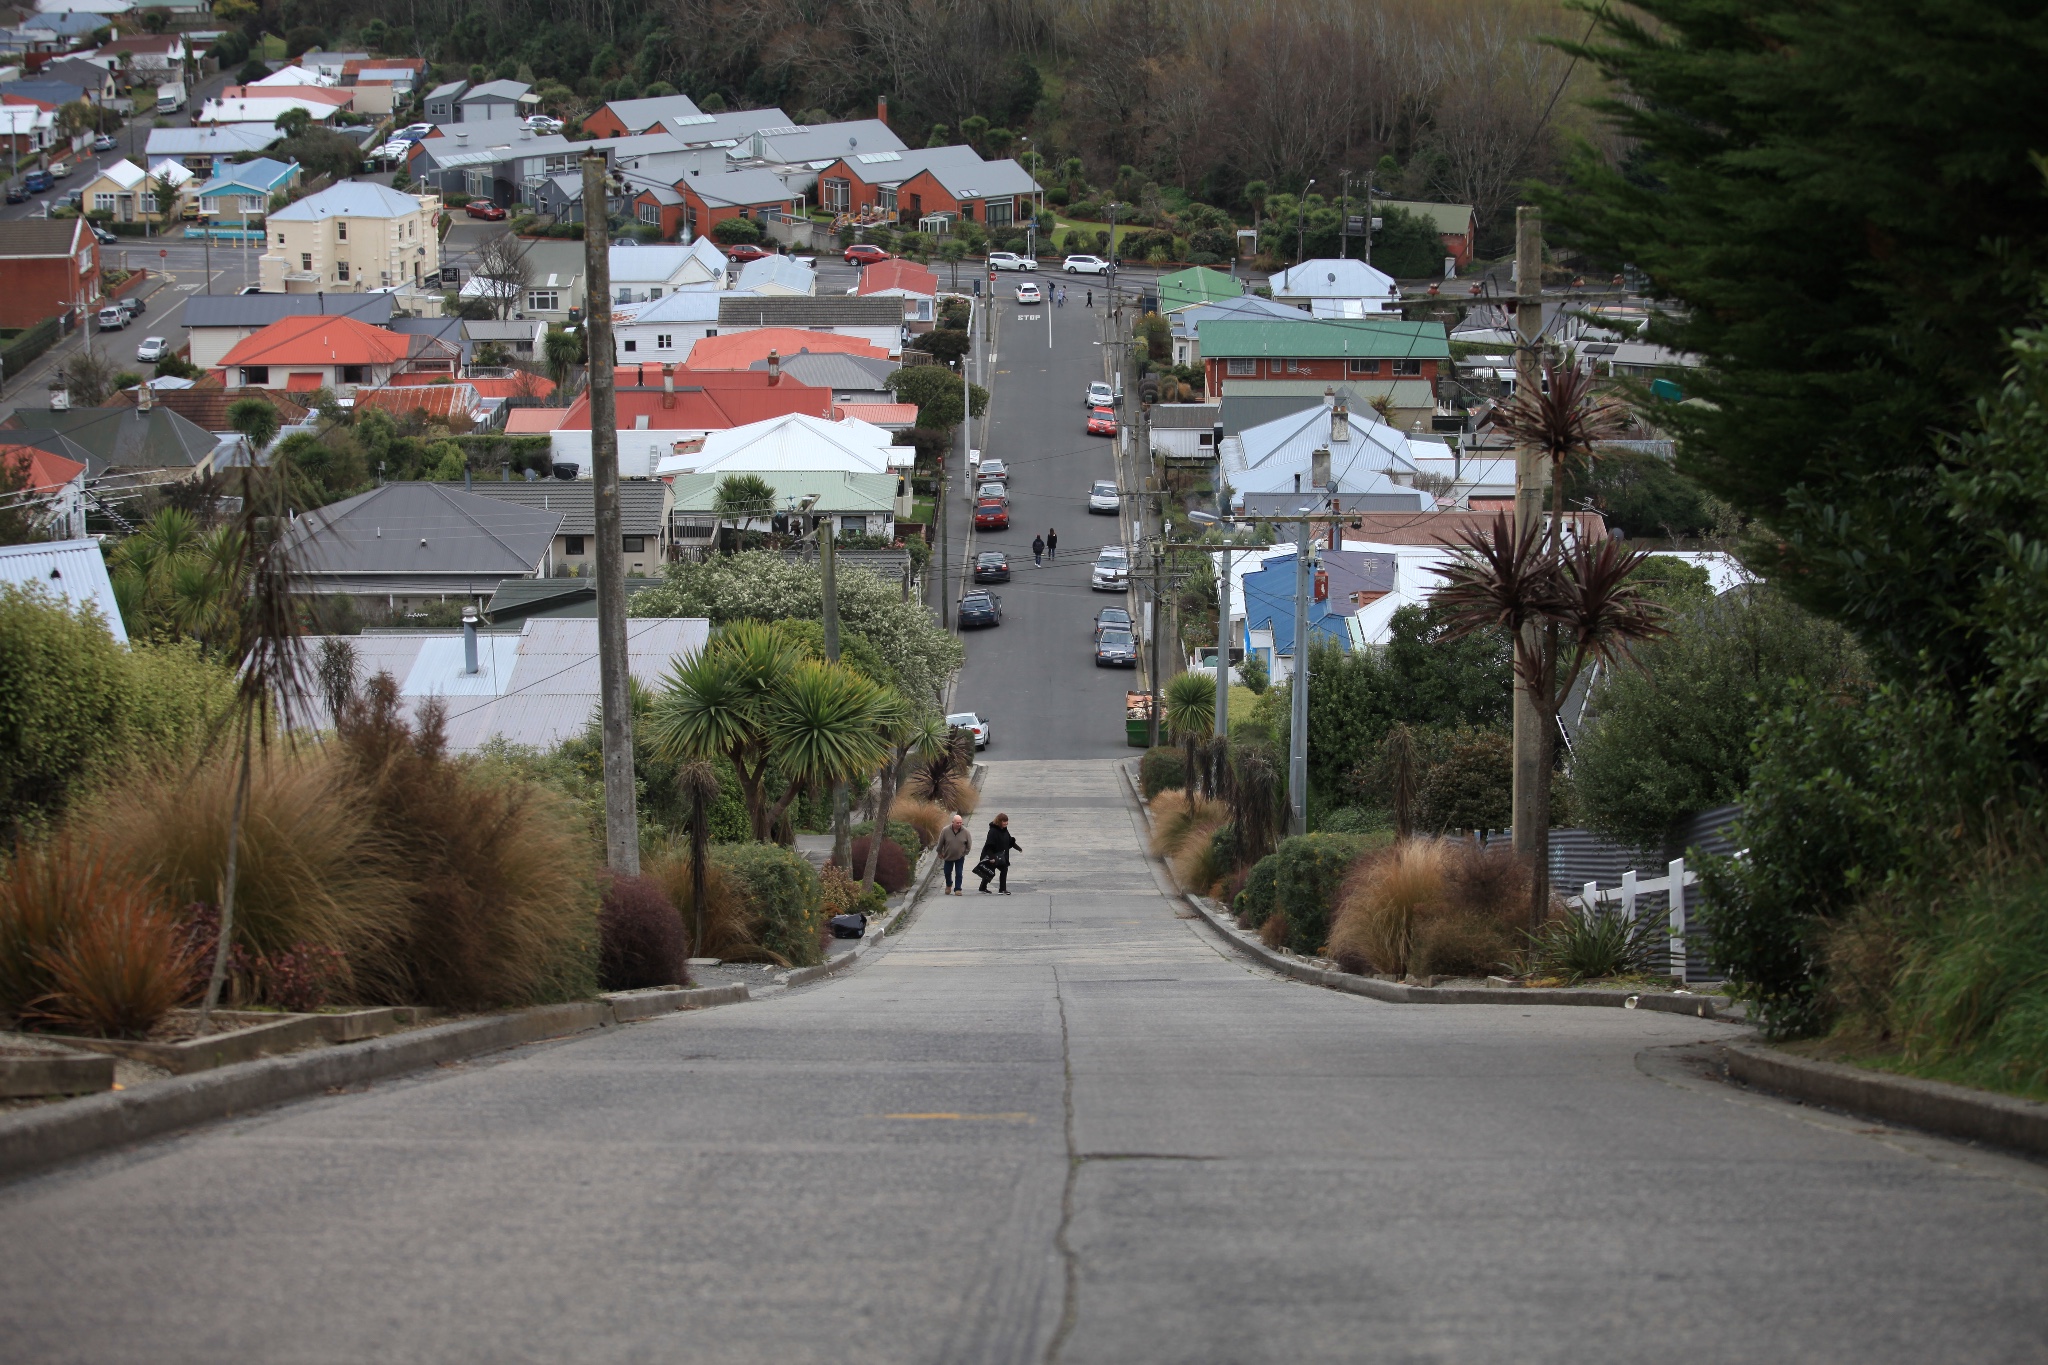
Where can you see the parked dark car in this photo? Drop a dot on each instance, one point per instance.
(991, 566)
(484, 209)
(980, 609)
(1111, 618)
(16, 195)
(36, 182)
(1116, 649)
(991, 514)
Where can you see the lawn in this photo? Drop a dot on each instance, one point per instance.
(1123, 230)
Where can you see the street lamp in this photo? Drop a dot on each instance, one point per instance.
(1301, 219)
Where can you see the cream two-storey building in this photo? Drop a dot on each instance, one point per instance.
(349, 239)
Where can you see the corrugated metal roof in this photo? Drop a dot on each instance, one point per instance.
(1325, 339)
(833, 310)
(422, 532)
(640, 502)
(73, 570)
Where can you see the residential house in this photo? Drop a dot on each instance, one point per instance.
(145, 58)
(519, 600)
(741, 348)
(777, 277)
(560, 196)
(1398, 360)
(454, 405)
(1355, 582)
(1456, 224)
(354, 237)
(1196, 285)
(74, 571)
(624, 118)
(216, 323)
(1184, 325)
(265, 107)
(643, 520)
(1359, 460)
(667, 328)
(533, 686)
(441, 102)
(878, 321)
(96, 84)
(189, 10)
(331, 67)
(50, 95)
(854, 380)
(382, 84)
(495, 100)
(796, 152)
(1337, 289)
(554, 281)
(295, 74)
(916, 285)
(709, 199)
(26, 128)
(321, 351)
(1187, 431)
(641, 274)
(861, 504)
(662, 409)
(50, 33)
(117, 437)
(205, 404)
(198, 149)
(123, 190)
(934, 183)
(520, 338)
(49, 267)
(241, 192)
(857, 471)
(55, 484)
(410, 544)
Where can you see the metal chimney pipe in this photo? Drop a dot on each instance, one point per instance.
(469, 669)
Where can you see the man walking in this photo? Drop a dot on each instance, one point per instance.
(955, 843)
(995, 856)
(1038, 552)
(1052, 544)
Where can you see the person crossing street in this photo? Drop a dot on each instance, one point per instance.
(1038, 552)
(1052, 544)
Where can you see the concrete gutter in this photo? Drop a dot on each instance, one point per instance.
(34, 1139)
(1399, 993)
(1955, 1111)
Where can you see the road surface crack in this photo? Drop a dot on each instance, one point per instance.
(1070, 1303)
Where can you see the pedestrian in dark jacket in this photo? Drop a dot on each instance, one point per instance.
(955, 843)
(1052, 544)
(1038, 552)
(995, 856)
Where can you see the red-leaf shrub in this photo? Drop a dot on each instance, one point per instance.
(892, 869)
(641, 939)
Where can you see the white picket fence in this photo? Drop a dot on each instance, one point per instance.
(1676, 879)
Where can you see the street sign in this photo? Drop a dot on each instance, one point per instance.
(1355, 224)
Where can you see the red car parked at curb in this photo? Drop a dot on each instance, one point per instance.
(991, 514)
(1101, 422)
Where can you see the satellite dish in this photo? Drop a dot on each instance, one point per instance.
(1333, 277)
(853, 142)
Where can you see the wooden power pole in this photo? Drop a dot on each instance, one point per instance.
(621, 816)
(1532, 474)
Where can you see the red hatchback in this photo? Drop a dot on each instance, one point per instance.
(746, 251)
(1101, 422)
(865, 253)
(485, 209)
(991, 514)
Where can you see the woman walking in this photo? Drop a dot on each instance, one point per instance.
(1052, 544)
(995, 856)
(955, 843)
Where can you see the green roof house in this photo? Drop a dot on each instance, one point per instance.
(1197, 284)
(1277, 358)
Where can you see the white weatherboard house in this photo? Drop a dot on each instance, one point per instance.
(71, 571)
(1337, 289)
(666, 328)
(642, 274)
(794, 442)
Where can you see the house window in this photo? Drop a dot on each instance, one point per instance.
(853, 526)
(254, 204)
(999, 211)
(655, 292)
(885, 198)
(695, 528)
(967, 212)
(280, 239)
(1297, 367)
(340, 229)
(835, 195)
(305, 259)
(341, 270)
(636, 545)
(632, 346)
(664, 341)
(255, 376)
(1362, 366)
(572, 545)
(650, 213)
(1408, 367)
(103, 203)
(1243, 366)
(352, 374)
(541, 300)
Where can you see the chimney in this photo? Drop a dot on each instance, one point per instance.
(469, 642)
(60, 400)
(774, 368)
(668, 383)
(882, 109)
(1319, 468)
(1330, 398)
(1340, 423)
(145, 397)
(639, 375)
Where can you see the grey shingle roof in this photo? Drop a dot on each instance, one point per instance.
(838, 310)
(640, 502)
(836, 370)
(429, 533)
(260, 310)
(38, 236)
(1185, 416)
(124, 436)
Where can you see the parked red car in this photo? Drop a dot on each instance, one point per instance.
(865, 253)
(485, 209)
(1101, 422)
(991, 514)
(745, 252)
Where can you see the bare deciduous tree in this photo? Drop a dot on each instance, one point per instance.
(502, 265)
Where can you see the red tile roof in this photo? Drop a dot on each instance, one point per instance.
(738, 350)
(46, 472)
(533, 421)
(319, 339)
(880, 414)
(702, 402)
(908, 276)
(437, 401)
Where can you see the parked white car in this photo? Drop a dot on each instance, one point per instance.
(1085, 265)
(1027, 292)
(413, 132)
(541, 123)
(1103, 497)
(1100, 395)
(1112, 571)
(1010, 260)
(152, 348)
(968, 720)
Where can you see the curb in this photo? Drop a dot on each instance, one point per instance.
(1955, 1111)
(34, 1139)
(1393, 992)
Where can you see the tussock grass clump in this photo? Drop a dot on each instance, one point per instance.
(963, 797)
(641, 938)
(1970, 1002)
(1176, 820)
(86, 945)
(728, 920)
(1430, 907)
(928, 818)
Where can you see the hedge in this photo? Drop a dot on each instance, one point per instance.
(1300, 879)
(783, 890)
(1160, 770)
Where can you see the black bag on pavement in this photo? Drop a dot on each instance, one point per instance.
(849, 926)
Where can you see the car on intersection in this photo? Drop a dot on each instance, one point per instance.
(1112, 570)
(972, 721)
(1116, 649)
(992, 514)
(1010, 260)
(1103, 497)
(1027, 292)
(991, 566)
(1101, 422)
(980, 609)
(1085, 265)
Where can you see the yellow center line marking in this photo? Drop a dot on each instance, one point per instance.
(968, 1118)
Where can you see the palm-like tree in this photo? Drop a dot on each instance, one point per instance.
(1565, 420)
(908, 736)
(824, 727)
(741, 498)
(717, 704)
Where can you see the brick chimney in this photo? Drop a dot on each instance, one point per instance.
(774, 369)
(668, 383)
(1340, 423)
(1319, 468)
(882, 109)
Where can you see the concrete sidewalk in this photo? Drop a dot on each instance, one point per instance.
(1062, 1125)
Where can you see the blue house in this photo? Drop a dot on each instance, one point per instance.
(240, 191)
(1353, 579)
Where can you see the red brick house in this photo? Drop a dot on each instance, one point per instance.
(912, 185)
(1258, 358)
(630, 118)
(708, 200)
(48, 267)
(1456, 225)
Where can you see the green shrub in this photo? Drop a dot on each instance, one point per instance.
(1355, 820)
(900, 832)
(1255, 903)
(1160, 770)
(1971, 1000)
(783, 892)
(1308, 870)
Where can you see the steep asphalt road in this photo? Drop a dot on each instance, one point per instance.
(1054, 1127)
(1035, 677)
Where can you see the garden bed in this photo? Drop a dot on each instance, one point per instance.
(178, 1048)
